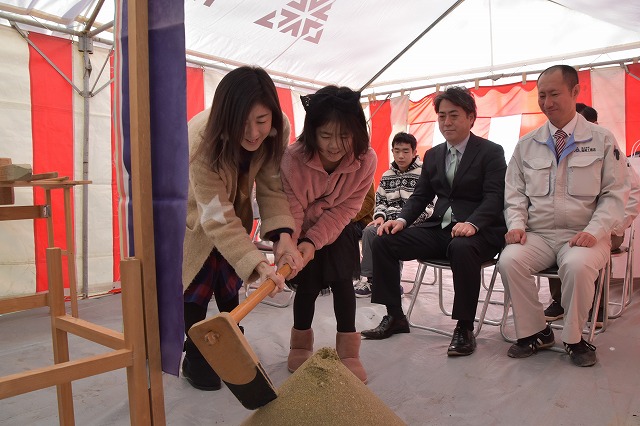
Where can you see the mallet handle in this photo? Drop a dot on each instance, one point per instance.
(256, 297)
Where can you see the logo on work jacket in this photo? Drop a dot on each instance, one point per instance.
(584, 149)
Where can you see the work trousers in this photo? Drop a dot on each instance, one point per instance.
(577, 267)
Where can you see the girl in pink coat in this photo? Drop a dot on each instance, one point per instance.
(326, 174)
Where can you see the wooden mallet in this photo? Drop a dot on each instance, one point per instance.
(227, 351)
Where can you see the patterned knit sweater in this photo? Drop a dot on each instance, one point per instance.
(394, 190)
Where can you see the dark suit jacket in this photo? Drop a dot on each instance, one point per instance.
(477, 192)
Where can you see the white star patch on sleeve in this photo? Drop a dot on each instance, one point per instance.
(213, 211)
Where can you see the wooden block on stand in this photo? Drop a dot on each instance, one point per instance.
(6, 194)
(13, 172)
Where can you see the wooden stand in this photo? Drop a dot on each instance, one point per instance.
(44, 212)
(128, 348)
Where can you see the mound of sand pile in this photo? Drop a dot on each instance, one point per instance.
(324, 392)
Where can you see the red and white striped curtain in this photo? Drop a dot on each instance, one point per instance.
(41, 119)
(41, 124)
(509, 111)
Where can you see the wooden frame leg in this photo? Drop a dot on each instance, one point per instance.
(137, 376)
(60, 341)
(71, 253)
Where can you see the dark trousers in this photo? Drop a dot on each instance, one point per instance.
(465, 254)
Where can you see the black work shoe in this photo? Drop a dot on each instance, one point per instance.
(554, 311)
(530, 345)
(462, 343)
(199, 374)
(388, 327)
(582, 354)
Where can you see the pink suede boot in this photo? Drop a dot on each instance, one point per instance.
(301, 348)
(348, 348)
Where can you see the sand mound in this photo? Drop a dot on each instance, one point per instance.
(324, 392)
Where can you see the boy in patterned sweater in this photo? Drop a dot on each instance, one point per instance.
(396, 186)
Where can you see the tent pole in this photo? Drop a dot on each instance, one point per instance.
(94, 15)
(45, 57)
(56, 28)
(429, 28)
(84, 47)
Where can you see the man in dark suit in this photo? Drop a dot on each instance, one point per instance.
(467, 226)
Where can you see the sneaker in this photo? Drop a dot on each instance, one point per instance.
(363, 288)
(554, 311)
(530, 345)
(582, 354)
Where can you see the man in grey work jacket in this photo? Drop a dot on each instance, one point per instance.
(565, 191)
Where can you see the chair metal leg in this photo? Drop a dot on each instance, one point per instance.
(480, 320)
(420, 272)
(505, 315)
(627, 286)
(487, 301)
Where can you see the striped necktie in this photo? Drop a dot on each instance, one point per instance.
(561, 139)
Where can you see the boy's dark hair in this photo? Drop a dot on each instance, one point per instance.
(402, 137)
(589, 113)
(580, 106)
(334, 104)
(459, 96)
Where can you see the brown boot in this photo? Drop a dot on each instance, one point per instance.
(348, 348)
(301, 348)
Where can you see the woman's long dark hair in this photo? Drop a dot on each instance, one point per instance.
(236, 94)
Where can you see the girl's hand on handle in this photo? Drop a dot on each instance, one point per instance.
(308, 251)
(285, 251)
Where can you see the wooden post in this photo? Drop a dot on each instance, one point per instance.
(60, 341)
(71, 253)
(133, 320)
(140, 134)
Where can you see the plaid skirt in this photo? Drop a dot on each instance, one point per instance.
(217, 277)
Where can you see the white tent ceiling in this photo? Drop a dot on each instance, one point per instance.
(347, 42)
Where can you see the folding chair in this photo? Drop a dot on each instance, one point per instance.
(627, 284)
(439, 265)
(601, 299)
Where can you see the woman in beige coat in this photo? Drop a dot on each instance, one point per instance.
(235, 144)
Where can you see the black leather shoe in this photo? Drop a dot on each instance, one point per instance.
(462, 343)
(388, 327)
